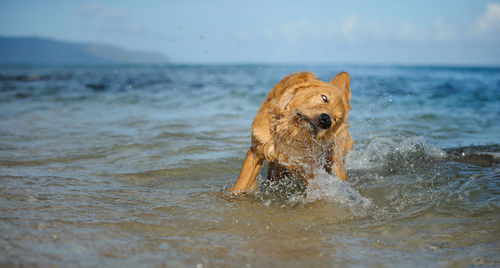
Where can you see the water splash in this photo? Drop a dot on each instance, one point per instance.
(292, 192)
(381, 157)
(327, 187)
(388, 152)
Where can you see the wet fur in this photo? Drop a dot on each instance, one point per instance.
(286, 131)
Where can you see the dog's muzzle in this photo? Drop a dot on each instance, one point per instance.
(324, 121)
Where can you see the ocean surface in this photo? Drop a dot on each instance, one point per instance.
(129, 166)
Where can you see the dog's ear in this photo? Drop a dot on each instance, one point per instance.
(284, 91)
(343, 81)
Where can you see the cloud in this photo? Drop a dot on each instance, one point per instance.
(349, 29)
(490, 20)
(442, 32)
(349, 26)
(354, 30)
(109, 19)
(488, 24)
(99, 11)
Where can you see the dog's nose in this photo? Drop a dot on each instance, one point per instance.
(325, 121)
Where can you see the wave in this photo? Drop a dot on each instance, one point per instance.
(390, 153)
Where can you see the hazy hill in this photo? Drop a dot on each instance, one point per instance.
(34, 50)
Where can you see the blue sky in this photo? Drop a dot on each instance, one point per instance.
(385, 31)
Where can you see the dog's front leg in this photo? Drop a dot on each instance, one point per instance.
(335, 163)
(338, 166)
(336, 155)
(247, 179)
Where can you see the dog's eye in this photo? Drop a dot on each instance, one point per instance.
(325, 99)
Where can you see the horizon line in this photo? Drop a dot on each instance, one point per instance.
(255, 63)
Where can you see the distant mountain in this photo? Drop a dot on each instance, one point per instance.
(34, 50)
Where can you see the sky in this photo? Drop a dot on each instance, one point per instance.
(453, 32)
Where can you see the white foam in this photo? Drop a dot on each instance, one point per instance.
(379, 150)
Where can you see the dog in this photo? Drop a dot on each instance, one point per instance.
(300, 128)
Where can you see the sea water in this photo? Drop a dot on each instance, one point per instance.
(130, 166)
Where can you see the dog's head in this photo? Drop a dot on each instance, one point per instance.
(314, 106)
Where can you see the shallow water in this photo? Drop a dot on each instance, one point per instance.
(128, 166)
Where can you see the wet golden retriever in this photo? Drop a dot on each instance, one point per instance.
(300, 128)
